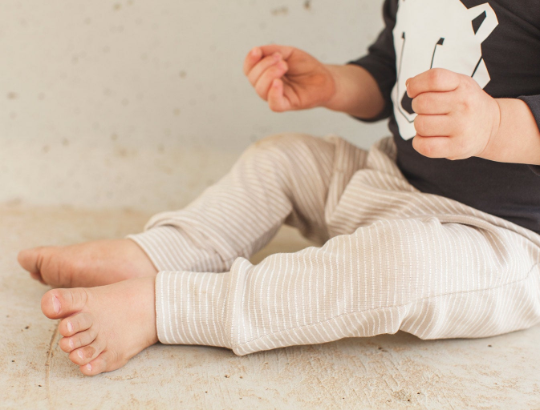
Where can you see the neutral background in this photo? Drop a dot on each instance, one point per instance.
(142, 104)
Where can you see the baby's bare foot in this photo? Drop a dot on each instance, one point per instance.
(104, 327)
(88, 264)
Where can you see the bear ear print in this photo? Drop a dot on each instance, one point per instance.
(483, 20)
(477, 21)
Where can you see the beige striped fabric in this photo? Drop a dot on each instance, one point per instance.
(391, 258)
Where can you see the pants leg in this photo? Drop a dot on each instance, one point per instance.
(397, 259)
(284, 178)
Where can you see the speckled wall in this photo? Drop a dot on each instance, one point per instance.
(142, 104)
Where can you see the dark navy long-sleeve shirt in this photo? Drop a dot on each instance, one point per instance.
(497, 43)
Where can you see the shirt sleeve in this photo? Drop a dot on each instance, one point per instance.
(533, 101)
(380, 61)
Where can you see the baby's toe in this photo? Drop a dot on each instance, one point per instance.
(60, 303)
(86, 354)
(36, 260)
(105, 362)
(68, 344)
(28, 258)
(96, 366)
(76, 323)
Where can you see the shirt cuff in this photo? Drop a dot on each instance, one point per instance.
(533, 101)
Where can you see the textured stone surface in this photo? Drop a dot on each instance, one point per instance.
(385, 372)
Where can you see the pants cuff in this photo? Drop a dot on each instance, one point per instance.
(168, 248)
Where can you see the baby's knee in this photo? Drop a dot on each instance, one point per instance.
(283, 151)
(284, 142)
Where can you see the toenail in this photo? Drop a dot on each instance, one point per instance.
(71, 343)
(56, 304)
(80, 354)
(89, 367)
(70, 327)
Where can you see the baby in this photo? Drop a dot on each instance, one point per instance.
(408, 238)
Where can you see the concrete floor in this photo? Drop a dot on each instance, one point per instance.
(385, 372)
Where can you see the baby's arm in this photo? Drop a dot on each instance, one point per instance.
(291, 79)
(357, 92)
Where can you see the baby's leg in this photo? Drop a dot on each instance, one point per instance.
(280, 178)
(287, 178)
(432, 277)
(398, 259)
(442, 276)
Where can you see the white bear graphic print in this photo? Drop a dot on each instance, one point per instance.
(437, 34)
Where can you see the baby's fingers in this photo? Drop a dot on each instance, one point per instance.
(276, 97)
(265, 80)
(253, 57)
(263, 65)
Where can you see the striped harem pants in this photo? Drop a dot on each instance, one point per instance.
(389, 257)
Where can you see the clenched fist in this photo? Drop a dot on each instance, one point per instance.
(456, 118)
(288, 78)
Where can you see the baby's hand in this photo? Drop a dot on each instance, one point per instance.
(288, 78)
(456, 118)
